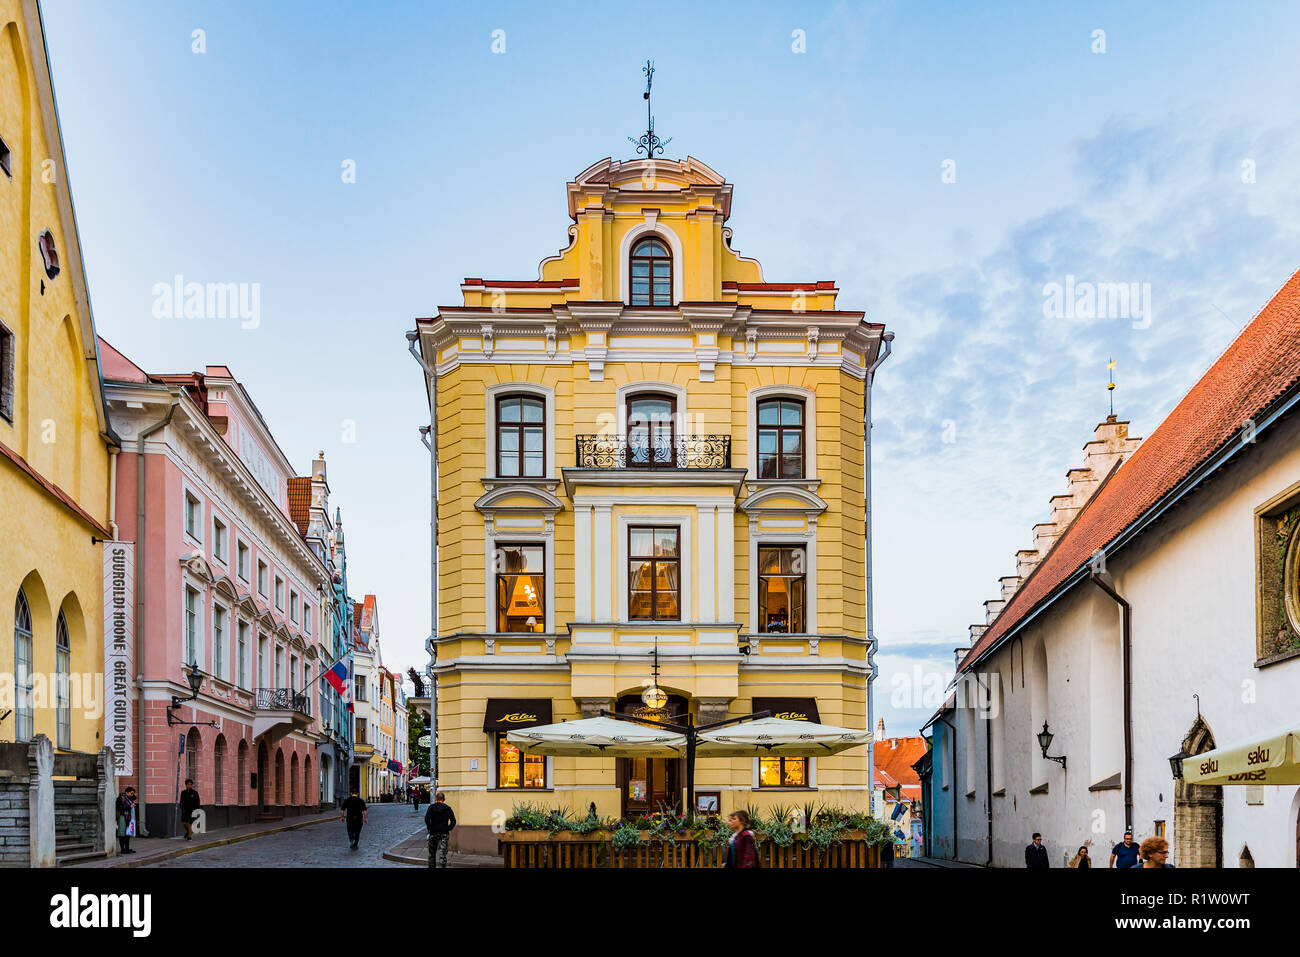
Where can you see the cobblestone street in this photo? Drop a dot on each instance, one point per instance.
(321, 845)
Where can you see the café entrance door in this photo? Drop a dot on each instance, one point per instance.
(649, 785)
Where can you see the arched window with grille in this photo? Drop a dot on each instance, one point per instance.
(63, 675)
(651, 273)
(23, 717)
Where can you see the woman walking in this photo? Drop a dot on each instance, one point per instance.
(742, 849)
(1081, 860)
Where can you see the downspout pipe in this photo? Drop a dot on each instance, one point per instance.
(1106, 583)
(140, 539)
(430, 439)
(988, 777)
(887, 346)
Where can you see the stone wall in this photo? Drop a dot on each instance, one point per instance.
(14, 823)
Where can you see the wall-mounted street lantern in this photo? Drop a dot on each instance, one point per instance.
(1045, 742)
(195, 678)
(1176, 763)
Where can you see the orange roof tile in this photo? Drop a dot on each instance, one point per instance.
(895, 757)
(300, 501)
(1260, 366)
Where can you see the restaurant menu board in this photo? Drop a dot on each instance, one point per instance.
(636, 790)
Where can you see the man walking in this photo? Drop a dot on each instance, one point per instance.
(415, 799)
(189, 804)
(354, 814)
(1125, 853)
(438, 821)
(1036, 854)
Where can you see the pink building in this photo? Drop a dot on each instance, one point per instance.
(234, 556)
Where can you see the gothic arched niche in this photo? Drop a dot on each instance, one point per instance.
(1198, 809)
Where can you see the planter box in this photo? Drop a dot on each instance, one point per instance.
(569, 850)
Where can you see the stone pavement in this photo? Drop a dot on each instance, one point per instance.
(415, 850)
(931, 862)
(150, 851)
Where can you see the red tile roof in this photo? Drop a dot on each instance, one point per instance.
(300, 501)
(1257, 369)
(895, 757)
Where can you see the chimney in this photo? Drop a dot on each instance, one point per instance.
(977, 632)
(1026, 561)
(880, 729)
(1009, 585)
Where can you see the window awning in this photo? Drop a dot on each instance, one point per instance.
(790, 709)
(509, 714)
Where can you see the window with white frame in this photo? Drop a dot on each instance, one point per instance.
(241, 561)
(191, 626)
(261, 578)
(261, 662)
(308, 613)
(220, 617)
(24, 717)
(293, 606)
(279, 593)
(63, 676)
(193, 516)
(241, 664)
(219, 535)
(279, 667)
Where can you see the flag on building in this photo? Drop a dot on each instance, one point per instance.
(338, 676)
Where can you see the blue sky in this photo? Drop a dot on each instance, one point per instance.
(1122, 166)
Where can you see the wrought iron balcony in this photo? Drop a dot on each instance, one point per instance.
(282, 699)
(654, 452)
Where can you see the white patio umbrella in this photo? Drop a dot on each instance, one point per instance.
(1269, 758)
(776, 736)
(597, 737)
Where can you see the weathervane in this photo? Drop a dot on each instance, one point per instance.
(649, 143)
(1110, 387)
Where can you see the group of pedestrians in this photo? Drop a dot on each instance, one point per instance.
(1153, 852)
(439, 820)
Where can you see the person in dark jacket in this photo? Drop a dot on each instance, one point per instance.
(742, 849)
(190, 803)
(439, 820)
(415, 799)
(124, 810)
(355, 815)
(1036, 854)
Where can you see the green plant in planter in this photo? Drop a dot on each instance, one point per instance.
(528, 817)
(626, 837)
(777, 830)
(825, 831)
(587, 825)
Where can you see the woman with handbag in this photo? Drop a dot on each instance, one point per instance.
(124, 808)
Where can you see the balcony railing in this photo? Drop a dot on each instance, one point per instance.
(654, 452)
(282, 699)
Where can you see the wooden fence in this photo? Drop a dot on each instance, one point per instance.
(568, 850)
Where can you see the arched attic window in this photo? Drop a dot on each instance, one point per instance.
(652, 273)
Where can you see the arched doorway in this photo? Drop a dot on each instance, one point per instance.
(1198, 809)
(279, 777)
(293, 779)
(306, 781)
(326, 780)
(263, 770)
(651, 784)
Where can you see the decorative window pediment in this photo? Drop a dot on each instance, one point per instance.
(518, 498)
(197, 566)
(783, 499)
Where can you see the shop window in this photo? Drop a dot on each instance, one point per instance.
(782, 589)
(783, 772)
(516, 769)
(780, 439)
(652, 273)
(654, 573)
(521, 437)
(521, 588)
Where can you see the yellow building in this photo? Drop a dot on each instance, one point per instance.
(54, 439)
(647, 455)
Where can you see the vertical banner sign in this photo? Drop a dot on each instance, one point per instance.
(119, 651)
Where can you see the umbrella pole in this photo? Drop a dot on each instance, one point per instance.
(690, 768)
